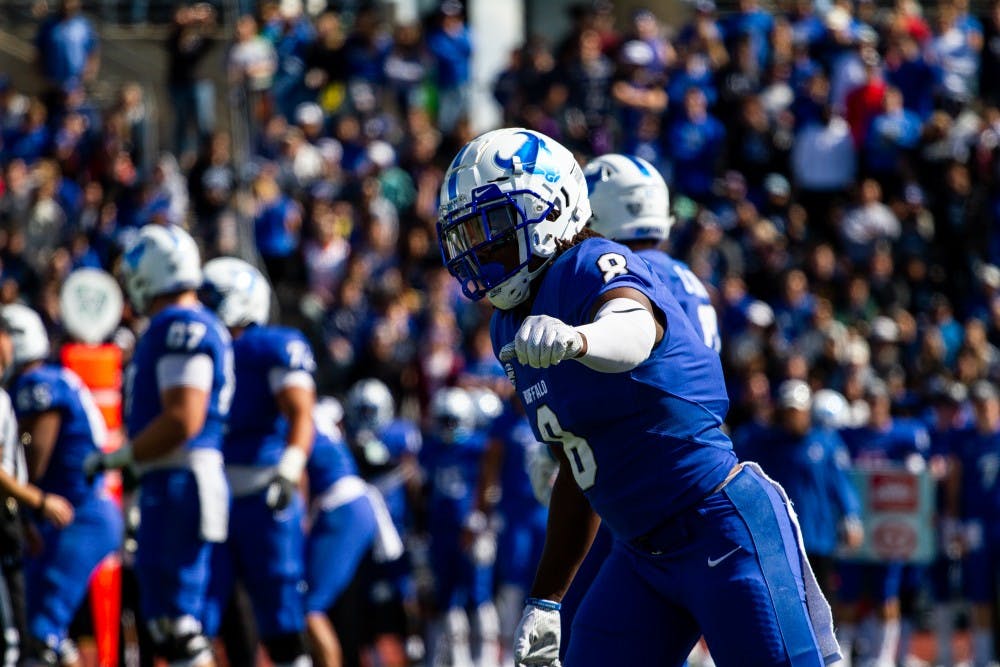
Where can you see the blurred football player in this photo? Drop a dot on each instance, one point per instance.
(344, 528)
(811, 464)
(976, 502)
(463, 574)
(618, 382)
(385, 448)
(630, 203)
(178, 389)
(269, 436)
(947, 419)
(505, 487)
(884, 441)
(60, 425)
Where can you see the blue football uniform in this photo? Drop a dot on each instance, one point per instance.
(522, 517)
(979, 454)
(56, 578)
(265, 547)
(184, 499)
(452, 471)
(343, 526)
(647, 449)
(874, 448)
(689, 292)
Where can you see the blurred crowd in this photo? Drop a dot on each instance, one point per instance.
(834, 169)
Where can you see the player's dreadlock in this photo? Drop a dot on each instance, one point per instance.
(562, 245)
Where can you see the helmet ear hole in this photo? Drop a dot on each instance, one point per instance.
(555, 211)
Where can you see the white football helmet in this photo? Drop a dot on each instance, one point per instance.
(829, 409)
(488, 406)
(237, 292)
(453, 413)
(629, 199)
(507, 197)
(327, 415)
(369, 406)
(163, 260)
(27, 332)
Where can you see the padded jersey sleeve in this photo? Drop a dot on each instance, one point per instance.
(592, 268)
(190, 345)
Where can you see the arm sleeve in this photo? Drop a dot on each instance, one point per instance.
(620, 337)
(185, 370)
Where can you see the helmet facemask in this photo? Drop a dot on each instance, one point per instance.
(489, 242)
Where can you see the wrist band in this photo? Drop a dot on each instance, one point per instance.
(547, 605)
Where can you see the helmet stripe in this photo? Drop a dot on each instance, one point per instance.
(453, 176)
(639, 165)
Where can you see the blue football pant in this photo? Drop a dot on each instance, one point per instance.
(729, 568)
(337, 542)
(56, 580)
(265, 551)
(172, 560)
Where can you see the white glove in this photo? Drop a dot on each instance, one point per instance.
(544, 341)
(483, 549)
(281, 490)
(536, 640)
(542, 469)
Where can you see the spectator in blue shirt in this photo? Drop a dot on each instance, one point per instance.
(907, 69)
(754, 22)
(276, 227)
(451, 46)
(67, 47)
(892, 134)
(696, 140)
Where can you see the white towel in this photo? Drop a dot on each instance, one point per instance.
(819, 609)
(388, 545)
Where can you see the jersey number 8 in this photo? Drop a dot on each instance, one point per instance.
(578, 451)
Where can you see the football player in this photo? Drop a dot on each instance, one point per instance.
(974, 486)
(385, 448)
(270, 434)
(178, 389)
(60, 425)
(616, 379)
(343, 529)
(883, 441)
(504, 486)
(630, 203)
(463, 574)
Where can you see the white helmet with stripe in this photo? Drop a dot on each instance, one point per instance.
(629, 198)
(163, 260)
(507, 198)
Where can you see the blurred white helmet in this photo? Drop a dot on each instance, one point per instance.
(830, 409)
(369, 406)
(488, 406)
(27, 332)
(629, 199)
(507, 198)
(327, 415)
(237, 292)
(163, 260)
(453, 413)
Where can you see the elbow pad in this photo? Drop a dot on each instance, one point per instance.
(620, 338)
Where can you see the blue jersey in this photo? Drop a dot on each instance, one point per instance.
(399, 439)
(979, 454)
(813, 471)
(81, 430)
(512, 429)
(452, 470)
(871, 447)
(263, 356)
(180, 331)
(329, 461)
(643, 445)
(689, 292)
